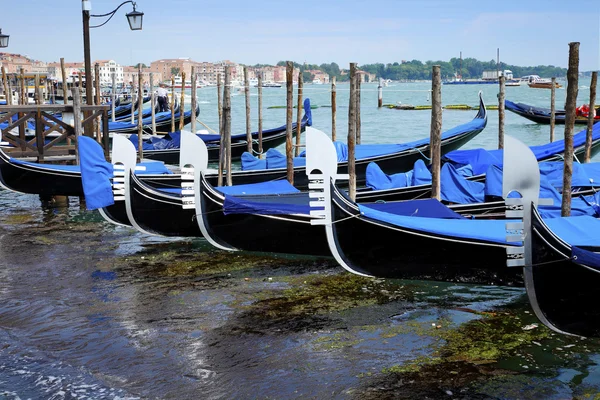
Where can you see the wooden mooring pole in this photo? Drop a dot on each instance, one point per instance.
(247, 99)
(113, 94)
(222, 154)
(133, 99)
(140, 127)
(260, 116)
(23, 95)
(288, 120)
(194, 100)
(552, 108)
(182, 103)
(357, 99)
(352, 133)
(501, 96)
(152, 103)
(435, 138)
(299, 115)
(590, 124)
(333, 108)
(5, 86)
(172, 104)
(76, 95)
(570, 110)
(227, 121)
(380, 93)
(65, 84)
(98, 122)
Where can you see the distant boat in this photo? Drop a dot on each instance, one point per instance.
(177, 83)
(317, 81)
(270, 84)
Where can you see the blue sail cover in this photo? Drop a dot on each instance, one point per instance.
(96, 174)
(492, 231)
(271, 187)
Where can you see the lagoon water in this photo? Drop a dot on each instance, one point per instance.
(93, 311)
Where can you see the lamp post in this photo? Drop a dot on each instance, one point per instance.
(135, 24)
(3, 39)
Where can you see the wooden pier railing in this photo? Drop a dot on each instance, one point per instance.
(53, 135)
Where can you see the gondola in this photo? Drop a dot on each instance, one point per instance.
(391, 157)
(480, 160)
(166, 149)
(387, 240)
(163, 123)
(541, 115)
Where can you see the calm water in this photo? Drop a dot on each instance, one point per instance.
(93, 311)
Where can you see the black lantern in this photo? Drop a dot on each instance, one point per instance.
(3, 39)
(135, 19)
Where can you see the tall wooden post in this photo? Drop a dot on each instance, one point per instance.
(222, 152)
(260, 116)
(380, 93)
(358, 123)
(152, 103)
(194, 101)
(113, 94)
(182, 103)
(333, 108)
(590, 124)
(501, 96)
(435, 138)
(133, 99)
(65, 84)
(288, 121)
(352, 134)
(173, 104)
(98, 101)
(76, 95)
(5, 86)
(299, 115)
(552, 108)
(23, 95)
(140, 100)
(227, 121)
(36, 93)
(247, 99)
(570, 110)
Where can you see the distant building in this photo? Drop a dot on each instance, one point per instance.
(107, 68)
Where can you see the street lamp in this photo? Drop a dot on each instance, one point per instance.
(3, 39)
(135, 23)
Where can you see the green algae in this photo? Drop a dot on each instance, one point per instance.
(18, 219)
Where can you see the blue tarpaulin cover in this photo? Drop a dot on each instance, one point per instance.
(493, 231)
(272, 187)
(424, 208)
(241, 205)
(454, 188)
(96, 174)
(576, 231)
(586, 257)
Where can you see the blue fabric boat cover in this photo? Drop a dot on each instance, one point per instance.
(424, 208)
(525, 108)
(240, 205)
(249, 162)
(376, 179)
(585, 257)
(576, 230)
(171, 140)
(271, 187)
(159, 117)
(96, 174)
(493, 231)
(456, 189)
(421, 174)
(481, 159)
(583, 174)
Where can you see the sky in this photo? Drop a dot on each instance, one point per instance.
(527, 32)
